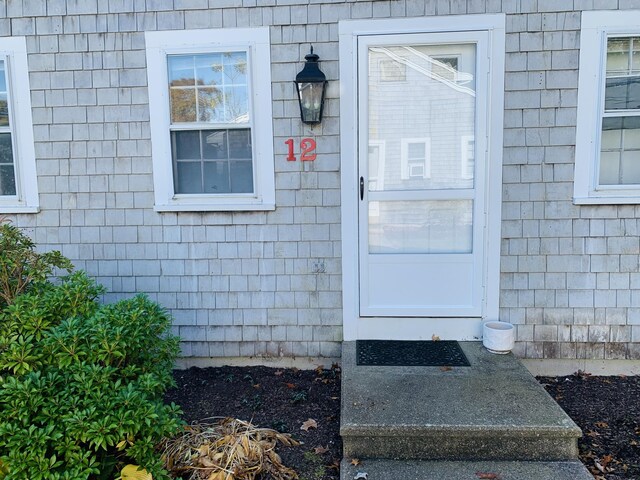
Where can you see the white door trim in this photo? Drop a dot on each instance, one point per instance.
(354, 326)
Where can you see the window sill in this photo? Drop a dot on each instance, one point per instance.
(214, 207)
(18, 209)
(608, 200)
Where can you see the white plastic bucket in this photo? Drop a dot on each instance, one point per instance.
(497, 337)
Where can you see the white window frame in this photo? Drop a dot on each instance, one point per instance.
(597, 26)
(13, 50)
(405, 165)
(255, 41)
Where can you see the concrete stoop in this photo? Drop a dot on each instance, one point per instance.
(432, 418)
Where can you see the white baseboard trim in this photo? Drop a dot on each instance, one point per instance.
(558, 367)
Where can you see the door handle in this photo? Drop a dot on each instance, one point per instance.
(361, 188)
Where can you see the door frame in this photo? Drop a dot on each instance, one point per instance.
(404, 328)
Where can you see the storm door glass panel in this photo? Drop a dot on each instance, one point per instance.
(421, 201)
(7, 167)
(434, 101)
(620, 140)
(210, 123)
(420, 226)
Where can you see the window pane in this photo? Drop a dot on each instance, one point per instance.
(186, 145)
(7, 180)
(622, 93)
(620, 151)
(237, 105)
(235, 68)
(216, 177)
(4, 106)
(240, 144)
(214, 144)
(188, 177)
(7, 172)
(441, 226)
(630, 168)
(212, 161)
(183, 105)
(181, 70)
(209, 69)
(241, 176)
(617, 56)
(210, 105)
(416, 150)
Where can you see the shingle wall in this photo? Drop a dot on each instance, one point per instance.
(243, 284)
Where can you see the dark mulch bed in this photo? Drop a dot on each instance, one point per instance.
(282, 399)
(606, 408)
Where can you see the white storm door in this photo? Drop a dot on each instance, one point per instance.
(421, 165)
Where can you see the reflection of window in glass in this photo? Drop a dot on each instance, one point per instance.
(467, 156)
(620, 128)
(445, 67)
(392, 71)
(7, 168)
(415, 158)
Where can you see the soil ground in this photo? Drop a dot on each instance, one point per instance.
(282, 399)
(606, 408)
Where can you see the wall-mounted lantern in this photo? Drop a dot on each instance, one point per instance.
(310, 84)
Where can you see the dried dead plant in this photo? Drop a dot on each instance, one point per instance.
(229, 449)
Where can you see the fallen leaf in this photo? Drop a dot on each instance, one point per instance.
(257, 386)
(602, 424)
(134, 472)
(320, 449)
(606, 460)
(487, 475)
(361, 475)
(435, 338)
(278, 373)
(446, 369)
(355, 461)
(310, 423)
(290, 385)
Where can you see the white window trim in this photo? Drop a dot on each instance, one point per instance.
(596, 27)
(14, 50)
(405, 169)
(256, 42)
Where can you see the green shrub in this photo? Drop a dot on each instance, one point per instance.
(21, 266)
(81, 384)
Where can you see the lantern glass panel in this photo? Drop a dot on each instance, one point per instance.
(311, 100)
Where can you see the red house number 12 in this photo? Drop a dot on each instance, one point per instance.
(307, 150)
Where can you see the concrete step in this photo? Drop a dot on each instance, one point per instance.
(448, 470)
(492, 410)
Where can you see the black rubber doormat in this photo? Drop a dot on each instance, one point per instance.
(410, 353)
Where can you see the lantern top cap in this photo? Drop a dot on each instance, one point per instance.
(311, 71)
(311, 57)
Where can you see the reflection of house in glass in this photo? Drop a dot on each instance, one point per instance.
(421, 137)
